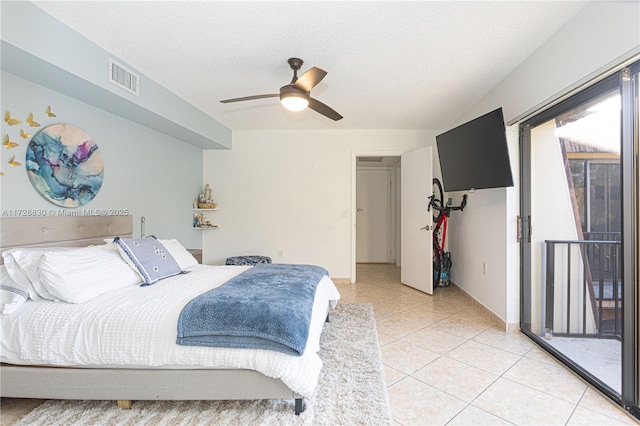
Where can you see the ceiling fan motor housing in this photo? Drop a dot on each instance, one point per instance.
(291, 90)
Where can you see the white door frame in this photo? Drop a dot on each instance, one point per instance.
(354, 161)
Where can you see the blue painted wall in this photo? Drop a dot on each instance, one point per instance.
(147, 172)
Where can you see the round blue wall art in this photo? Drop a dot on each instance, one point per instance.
(65, 165)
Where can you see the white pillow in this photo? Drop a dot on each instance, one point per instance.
(79, 275)
(176, 250)
(179, 253)
(22, 266)
(12, 294)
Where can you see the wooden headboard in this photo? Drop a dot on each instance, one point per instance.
(65, 231)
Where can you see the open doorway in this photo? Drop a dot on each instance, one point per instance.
(376, 212)
(376, 160)
(411, 238)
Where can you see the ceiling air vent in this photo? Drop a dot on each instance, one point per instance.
(123, 78)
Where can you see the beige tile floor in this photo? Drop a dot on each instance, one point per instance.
(446, 362)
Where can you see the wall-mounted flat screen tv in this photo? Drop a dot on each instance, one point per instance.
(475, 155)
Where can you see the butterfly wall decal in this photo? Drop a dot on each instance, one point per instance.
(1, 173)
(13, 162)
(31, 122)
(49, 113)
(24, 135)
(9, 120)
(7, 144)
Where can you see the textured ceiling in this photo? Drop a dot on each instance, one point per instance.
(391, 65)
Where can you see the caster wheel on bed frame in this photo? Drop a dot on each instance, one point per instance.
(300, 405)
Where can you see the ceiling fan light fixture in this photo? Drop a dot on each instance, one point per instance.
(294, 101)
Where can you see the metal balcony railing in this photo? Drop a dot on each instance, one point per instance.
(583, 287)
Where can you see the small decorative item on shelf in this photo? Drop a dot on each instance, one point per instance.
(203, 202)
(201, 222)
(204, 199)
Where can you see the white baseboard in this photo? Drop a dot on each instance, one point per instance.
(500, 323)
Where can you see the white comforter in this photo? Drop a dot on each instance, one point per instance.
(136, 328)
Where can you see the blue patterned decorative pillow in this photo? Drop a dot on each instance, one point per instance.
(152, 260)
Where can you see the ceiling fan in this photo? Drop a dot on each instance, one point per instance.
(295, 96)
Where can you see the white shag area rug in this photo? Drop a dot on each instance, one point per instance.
(351, 391)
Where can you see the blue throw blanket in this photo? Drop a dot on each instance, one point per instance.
(266, 307)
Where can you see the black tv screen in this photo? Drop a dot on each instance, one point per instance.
(475, 155)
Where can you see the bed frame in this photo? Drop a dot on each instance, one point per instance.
(120, 384)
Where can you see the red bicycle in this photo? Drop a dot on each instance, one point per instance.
(441, 212)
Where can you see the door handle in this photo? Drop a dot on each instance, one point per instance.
(425, 228)
(359, 209)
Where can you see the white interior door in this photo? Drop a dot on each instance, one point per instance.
(373, 215)
(416, 221)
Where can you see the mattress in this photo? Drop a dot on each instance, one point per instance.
(135, 327)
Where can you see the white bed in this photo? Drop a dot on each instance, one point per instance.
(121, 345)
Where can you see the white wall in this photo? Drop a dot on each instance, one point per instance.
(145, 171)
(602, 34)
(287, 190)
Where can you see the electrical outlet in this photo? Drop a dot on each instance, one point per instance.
(280, 253)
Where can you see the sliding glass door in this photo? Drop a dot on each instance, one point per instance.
(631, 238)
(579, 246)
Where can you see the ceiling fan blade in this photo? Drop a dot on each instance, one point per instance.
(249, 98)
(310, 78)
(323, 109)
